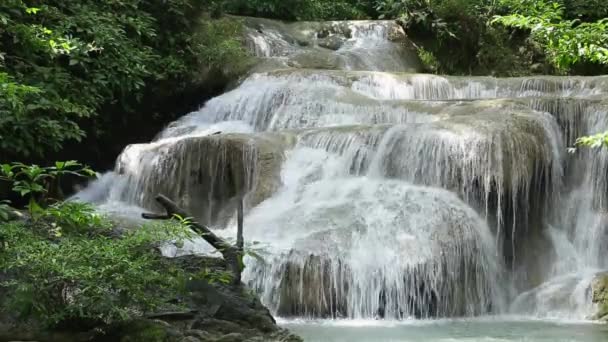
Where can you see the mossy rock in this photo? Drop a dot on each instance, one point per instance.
(599, 288)
(143, 331)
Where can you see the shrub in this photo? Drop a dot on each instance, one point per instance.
(428, 59)
(70, 67)
(302, 9)
(36, 183)
(75, 218)
(567, 42)
(85, 280)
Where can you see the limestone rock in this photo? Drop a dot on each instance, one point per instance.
(199, 334)
(233, 337)
(332, 43)
(314, 60)
(191, 339)
(205, 175)
(599, 288)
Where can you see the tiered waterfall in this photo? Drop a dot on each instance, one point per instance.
(374, 191)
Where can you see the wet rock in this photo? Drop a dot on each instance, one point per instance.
(199, 334)
(314, 60)
(323, 33)
(599, 289)
(226, 313)
(334, 28)
(332, 43)
(287, 40)
(233, 337)
(440, 261)
(206, 175)
(396, 34)
(191, 339)
(142, 330)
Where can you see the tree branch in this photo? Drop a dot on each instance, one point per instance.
(240, 242)
(232, 254)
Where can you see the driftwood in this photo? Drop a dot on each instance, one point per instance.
(233, 255)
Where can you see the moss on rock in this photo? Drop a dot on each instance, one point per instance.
(599, 288)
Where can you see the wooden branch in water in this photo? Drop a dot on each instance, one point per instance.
(240, 242)
(232, 254)
(155, 216)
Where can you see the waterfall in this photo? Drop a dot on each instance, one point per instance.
(374, 191)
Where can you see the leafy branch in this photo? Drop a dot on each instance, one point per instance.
(34, 182)
(567, 42)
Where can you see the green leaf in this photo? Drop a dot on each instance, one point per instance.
(7, 170)
(32, 10)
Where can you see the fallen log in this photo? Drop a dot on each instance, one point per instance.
(233, 255)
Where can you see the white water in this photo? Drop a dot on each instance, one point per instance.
(391, 195)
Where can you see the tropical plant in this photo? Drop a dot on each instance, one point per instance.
(567, 42)
(75, 218)
(35, 182)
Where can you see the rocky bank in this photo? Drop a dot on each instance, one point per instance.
(208, 312)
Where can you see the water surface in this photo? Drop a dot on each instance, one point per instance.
(483, 329)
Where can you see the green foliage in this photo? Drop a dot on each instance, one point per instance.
(302, 9)
(216, 46)
(34, 182)
(420, 14)
(213, 276)
(65, 62)
(428, 59)
(567, 42)
(75, 218)
(586, 10)
(461, 35)
(593, 141)
(83, 276)
(5, 210)
(454, 37)
(21, 131)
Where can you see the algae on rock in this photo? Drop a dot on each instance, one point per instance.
(599, 289)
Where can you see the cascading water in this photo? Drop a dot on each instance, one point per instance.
(376, 193)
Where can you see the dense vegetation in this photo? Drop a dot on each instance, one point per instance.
(506, 37)
(93, 70)
(91, 67)
(62, 264)
(83, 275)
(303, 9)
(74, 70)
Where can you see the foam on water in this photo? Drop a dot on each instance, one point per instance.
(369, 244)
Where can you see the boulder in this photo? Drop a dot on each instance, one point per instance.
(205, 175)
(314, 60)
(332, 43)
(374, 247)
(599, 288)
(142, 331)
